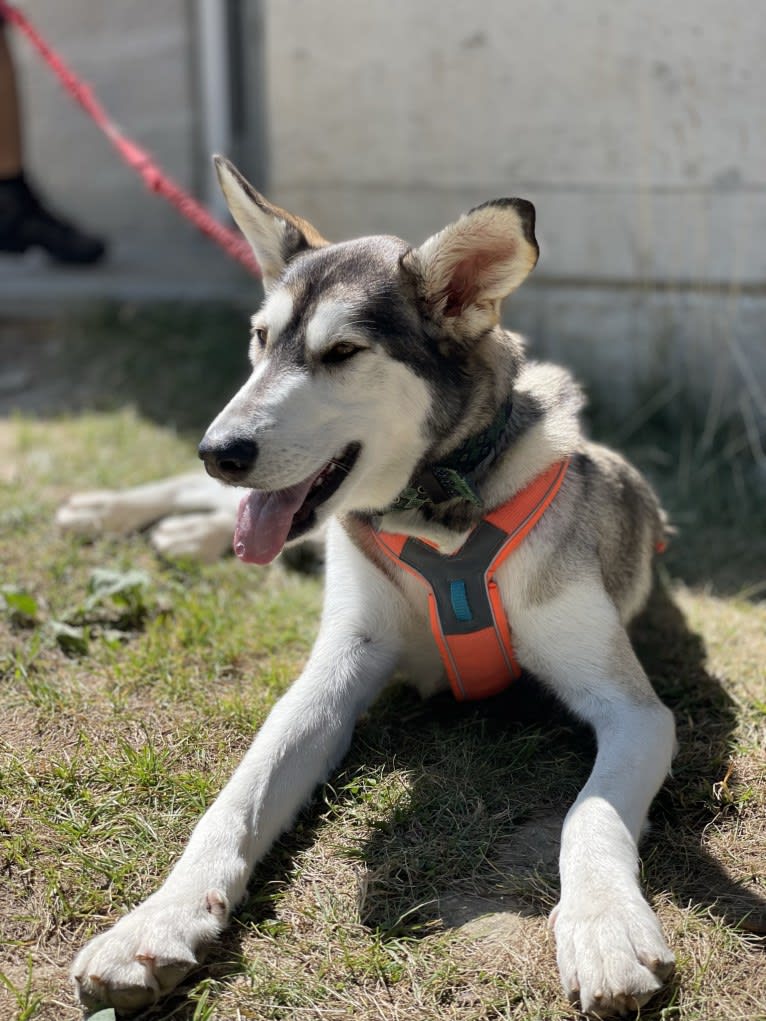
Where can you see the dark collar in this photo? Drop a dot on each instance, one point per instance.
(455, 477)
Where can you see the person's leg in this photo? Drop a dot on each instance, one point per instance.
(25, 222)
(10, 118)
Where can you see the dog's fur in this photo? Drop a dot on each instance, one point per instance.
(372, 342)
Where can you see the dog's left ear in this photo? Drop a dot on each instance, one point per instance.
(464, 272)
(274, 234)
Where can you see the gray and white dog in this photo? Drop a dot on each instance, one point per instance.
(372, 363)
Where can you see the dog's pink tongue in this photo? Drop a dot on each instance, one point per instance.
(263, 521)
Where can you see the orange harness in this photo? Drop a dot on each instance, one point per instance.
(467, 616)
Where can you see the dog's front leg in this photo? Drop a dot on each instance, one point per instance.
(611, 952)
(152, 948)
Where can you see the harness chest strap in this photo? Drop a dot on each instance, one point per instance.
(467, 616)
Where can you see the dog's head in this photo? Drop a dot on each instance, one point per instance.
(363, 359)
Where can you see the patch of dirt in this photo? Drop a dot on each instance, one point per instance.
(497, 918)
(533, 848)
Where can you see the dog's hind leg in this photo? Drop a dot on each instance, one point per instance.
(195, 514)
(121, 511)
(611, 952)
(205, 535)
(152, 948)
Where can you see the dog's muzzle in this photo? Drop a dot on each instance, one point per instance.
(227, 459)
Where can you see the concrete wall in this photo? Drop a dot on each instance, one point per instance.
(137, 55)
(635, 127)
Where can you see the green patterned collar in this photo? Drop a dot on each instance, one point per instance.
(454, 478)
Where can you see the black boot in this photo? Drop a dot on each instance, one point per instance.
(25, 223)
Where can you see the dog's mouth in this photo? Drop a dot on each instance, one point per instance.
(267, 520)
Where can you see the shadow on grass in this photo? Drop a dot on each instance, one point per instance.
(176, 365)
(488, 785)
(675, 860)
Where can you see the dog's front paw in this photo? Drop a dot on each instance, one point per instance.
(147, 952)
(100, 511)
(611, 953)
(205, 536)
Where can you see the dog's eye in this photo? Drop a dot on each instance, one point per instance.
(260, 333)
(340, 352)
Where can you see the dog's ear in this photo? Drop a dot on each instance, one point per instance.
(274, 234)
(464, 272)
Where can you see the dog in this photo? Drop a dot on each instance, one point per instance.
(387, 402)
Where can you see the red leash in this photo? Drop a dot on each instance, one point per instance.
(139, 159)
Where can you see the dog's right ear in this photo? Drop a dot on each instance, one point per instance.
(274, 234)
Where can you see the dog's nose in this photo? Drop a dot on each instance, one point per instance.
(227, 459)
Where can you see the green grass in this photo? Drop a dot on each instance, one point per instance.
(417, 883)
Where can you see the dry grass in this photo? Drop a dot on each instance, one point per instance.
(417, 884)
